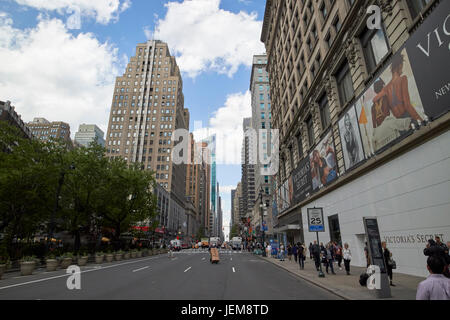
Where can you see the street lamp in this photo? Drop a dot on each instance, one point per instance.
(58, 192)
(262, 220)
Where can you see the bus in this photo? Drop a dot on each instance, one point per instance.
(236, 243)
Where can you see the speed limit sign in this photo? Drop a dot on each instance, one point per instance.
(315, 220)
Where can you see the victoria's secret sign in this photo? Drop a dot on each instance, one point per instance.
(429, 52)
(412, 238)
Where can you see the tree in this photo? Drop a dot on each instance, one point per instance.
(25, 180)
(126, 197)
(234, 232)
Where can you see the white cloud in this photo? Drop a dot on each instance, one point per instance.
(226, 190)
(226, 124)
(204, 37)
(47, 72)
(102, 10)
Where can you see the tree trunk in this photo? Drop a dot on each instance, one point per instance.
(77, 242)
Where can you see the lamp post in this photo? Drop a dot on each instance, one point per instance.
(58, 193)
(262, 220)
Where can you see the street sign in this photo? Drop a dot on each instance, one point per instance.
(315, 220)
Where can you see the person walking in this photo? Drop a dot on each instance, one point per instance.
(295, 251)
(388, 261)
(338, 253)
(289, 250)
(436, 286)
(315, 252)
(366, 252)
(301, 255)
(329, 254)
(281, 252)
(269, 250)
(347, 254)
(310, 251)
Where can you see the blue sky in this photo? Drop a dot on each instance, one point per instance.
(70, 69)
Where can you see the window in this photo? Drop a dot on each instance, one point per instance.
(262, 106)
(416, 7)
(300, 146)
(324, 11)
(310, 128)
(375, 47)
(344, 83)
(337, 24)
(324, 111)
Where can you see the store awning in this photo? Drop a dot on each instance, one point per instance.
(287, 228)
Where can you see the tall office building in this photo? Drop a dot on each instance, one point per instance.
(211, 143)
(362, 126)
(248, 168)
(147, 106)
(43, 129)
(88, 133)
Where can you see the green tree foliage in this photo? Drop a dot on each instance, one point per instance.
(234, 231)
(79, 189)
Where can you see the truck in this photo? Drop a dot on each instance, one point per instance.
(236, 243)
(176, 245)
(205, 242)
(214, 242)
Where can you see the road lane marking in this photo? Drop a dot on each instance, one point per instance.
(67, 275)
(231, 259)
(187, 269)
(140, 269)
(234, 270)
(203, 258)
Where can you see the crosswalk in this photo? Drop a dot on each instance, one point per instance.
(206, 251)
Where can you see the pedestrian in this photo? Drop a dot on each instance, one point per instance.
(289, 250)
(347, 254)
(269, 250)
(329, 254)
(301, 255)
(338, 253)
(295, 251)
(281, 252)
(436, 286)
(310, 251)
(315, 251)
(388, 261)
(433, 249)
(366, 252)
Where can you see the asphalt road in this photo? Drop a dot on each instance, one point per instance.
(187, 276)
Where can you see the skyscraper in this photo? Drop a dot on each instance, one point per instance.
(147, 106)
(43, 129)
(88, 133)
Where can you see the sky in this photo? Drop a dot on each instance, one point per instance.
(59, 60)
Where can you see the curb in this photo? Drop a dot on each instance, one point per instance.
(309, 280)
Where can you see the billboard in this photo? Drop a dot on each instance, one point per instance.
(389, 107)
(301, 181)
(323, 163)
(352, 146)
(428, 50)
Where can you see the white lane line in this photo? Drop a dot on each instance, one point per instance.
(203, 258)
(234, 270)
(66, 275)
(231, 259)
(141, 269)
(187, 269)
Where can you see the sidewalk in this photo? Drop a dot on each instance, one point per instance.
(348, 287)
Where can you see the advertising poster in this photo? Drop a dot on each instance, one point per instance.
(389, 106)
(352, 146)
(323, 163)
(428, 51)
(301, 182)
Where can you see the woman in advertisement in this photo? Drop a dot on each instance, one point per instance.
(320, 168)
(351, 141)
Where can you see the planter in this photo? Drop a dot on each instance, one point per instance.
(118, 256)
(2, 269)
(27, 267)
(133, 254)
(99, 259)
(109, 257)
(66, 262)
(82, 261)
(126, 256)
(139, 254)
(51, 264)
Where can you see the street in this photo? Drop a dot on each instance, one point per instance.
(188, 275)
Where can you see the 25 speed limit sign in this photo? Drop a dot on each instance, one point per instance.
(315, 220)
